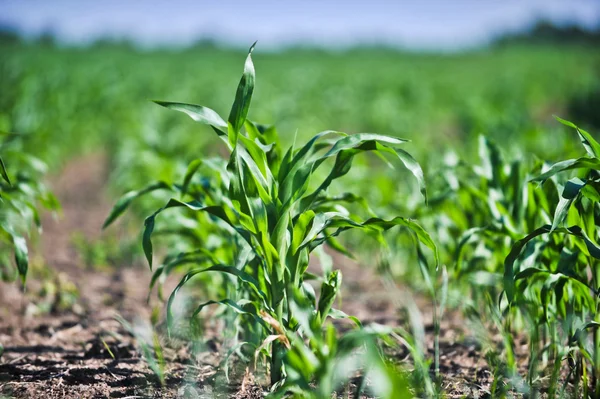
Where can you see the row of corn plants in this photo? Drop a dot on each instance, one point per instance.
(248, 224)
(552, 275)
(523, 234)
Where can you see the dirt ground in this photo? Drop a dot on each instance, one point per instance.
(84, 352)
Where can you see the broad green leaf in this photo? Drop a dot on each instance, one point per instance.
(413, 166)
(358, 139)
(243, 96)
(591, 192)
(592, 147)
(579, 163)
(259, 182)
(570, 192)
(300, 229)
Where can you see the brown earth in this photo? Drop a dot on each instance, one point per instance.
(65, 353)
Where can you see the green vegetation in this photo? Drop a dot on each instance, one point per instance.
(21, 194)
(513, 236)
(267, 209)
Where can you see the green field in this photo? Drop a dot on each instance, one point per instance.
(476, 215)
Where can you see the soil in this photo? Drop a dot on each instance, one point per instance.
(84, 352)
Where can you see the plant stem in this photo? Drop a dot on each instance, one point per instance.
(436, 341)
(596, 317)
(277, 350)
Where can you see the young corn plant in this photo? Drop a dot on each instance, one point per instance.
(21, 193)
(271, 210)
(556, 267)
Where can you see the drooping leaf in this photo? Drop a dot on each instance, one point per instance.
(243, 276)
(249, 309)
(198, 113)
(224, 213)
(592, 147)
(124, 202)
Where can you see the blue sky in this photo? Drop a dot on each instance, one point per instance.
(425, 24)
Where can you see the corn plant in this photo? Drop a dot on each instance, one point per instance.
(272, 209)
(556, 266)
(21, 193)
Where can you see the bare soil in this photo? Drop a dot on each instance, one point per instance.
(83, 352)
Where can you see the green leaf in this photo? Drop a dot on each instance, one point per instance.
(570, 192)
(592, 147)
(290, 180)
(413, 166)
(329, 290)
(124, 202)
(196, 256)
(3, 171)
(222, 212)
(360, 138)
(591, 192)
(509, 274)
(338, 314)
(579, 163)
(249, 309)
(343, 223)
(200, 114)
(147, 239)
(243, 96)
(191, 170)
(243, 276)
(21, 256)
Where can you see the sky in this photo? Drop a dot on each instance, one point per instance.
(275, 23)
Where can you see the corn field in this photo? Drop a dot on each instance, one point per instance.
(366, 223)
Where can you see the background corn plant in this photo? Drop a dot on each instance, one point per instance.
(555, 271)
(21, 195)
